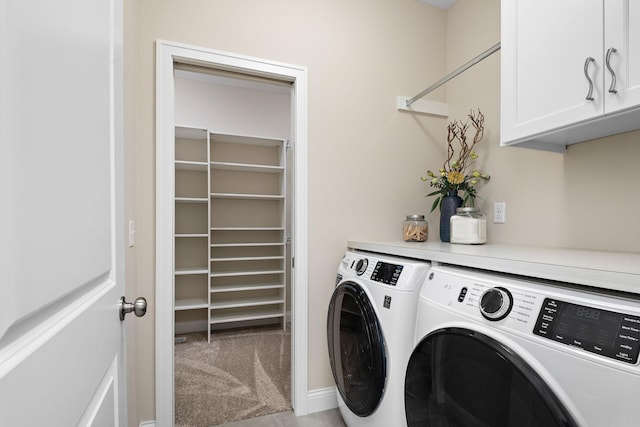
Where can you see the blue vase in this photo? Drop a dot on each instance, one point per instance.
(448, 207)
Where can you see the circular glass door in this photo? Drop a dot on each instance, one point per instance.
(461, 378)
(356, 349)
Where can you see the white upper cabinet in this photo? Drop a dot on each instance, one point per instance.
(622, 43)
(559, 60)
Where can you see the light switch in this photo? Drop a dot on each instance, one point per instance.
(132, 233)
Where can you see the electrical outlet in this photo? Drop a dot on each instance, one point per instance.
(499, 216)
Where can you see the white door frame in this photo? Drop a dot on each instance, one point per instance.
(167, 53)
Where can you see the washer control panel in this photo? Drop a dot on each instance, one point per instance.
(603, 332)
(596, 322)
(402, 274)
(386, 273)
(496, 303)
(361, 266)
(478, 295)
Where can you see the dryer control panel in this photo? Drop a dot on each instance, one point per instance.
(603, 332)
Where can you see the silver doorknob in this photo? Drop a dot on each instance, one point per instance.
(138, 307)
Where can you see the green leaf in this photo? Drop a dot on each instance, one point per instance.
(435, 204)
(433, 193)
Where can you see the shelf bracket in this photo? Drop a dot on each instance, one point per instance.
(423, 106)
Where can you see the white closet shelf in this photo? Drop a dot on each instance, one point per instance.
(246, 196)
(191, 304)
(256, 315)
(247, 258)
(247, 228)
(182, 271)
(245, 287)
(239, 273)
(185, 235)
(245, 139)
(245, 245)
(246, 167)
(191, 132)
(187, 165)
(245, 302)
(191, 200)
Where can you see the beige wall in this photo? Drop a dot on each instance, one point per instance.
(365, 158)
(578, 199)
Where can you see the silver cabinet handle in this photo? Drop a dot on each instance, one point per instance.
(612, 88)
(586, 74)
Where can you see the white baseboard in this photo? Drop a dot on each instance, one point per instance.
(317, 401)
(322, 399)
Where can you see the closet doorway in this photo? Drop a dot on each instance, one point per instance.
(231, 211)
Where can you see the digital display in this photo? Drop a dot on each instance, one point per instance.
(610, 334)
(587, 313)
(386, 273)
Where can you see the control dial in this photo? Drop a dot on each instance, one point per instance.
(361, 266)
(496, 303)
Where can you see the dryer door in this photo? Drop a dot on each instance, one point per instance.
(462, 378)
(356, 349)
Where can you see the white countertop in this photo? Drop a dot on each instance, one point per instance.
(619, 271)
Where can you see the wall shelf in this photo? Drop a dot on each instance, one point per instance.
(191, 304)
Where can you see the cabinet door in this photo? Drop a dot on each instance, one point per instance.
(622, 33)
(545, 44)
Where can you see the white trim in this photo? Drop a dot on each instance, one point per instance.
(322, 399)
(166, 53)
(108, 386)
(148, 424)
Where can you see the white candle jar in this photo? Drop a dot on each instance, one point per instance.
(468, 226)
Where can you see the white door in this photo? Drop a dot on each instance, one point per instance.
(545, 47)
(61, 213)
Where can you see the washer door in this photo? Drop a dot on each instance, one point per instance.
(462, 378)
(356, 349)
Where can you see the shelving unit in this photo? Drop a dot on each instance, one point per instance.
(230, 237)
(247, 248)
(191, 228)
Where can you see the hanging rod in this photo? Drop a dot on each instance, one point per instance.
(493, 49)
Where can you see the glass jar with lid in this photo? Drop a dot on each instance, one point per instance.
(468, 226)
(415, 229)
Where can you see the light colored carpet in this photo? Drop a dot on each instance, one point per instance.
(241, 374)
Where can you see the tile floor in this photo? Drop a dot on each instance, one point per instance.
(329, 418)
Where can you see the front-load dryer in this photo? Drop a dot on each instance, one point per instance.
(503, 351)
(370, 329)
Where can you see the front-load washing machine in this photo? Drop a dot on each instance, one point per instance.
(503, 351)
(370, 329)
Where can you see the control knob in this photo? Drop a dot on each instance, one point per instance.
(361, 266)
(496, 303)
